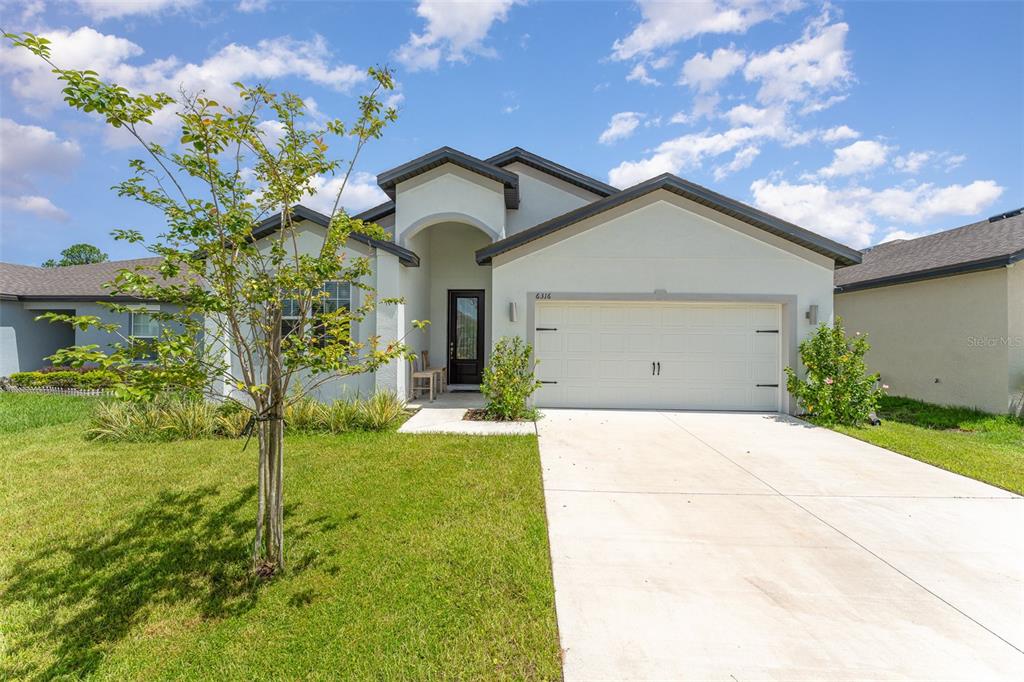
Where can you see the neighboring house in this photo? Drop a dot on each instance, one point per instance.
(944, 313)
(663, 295)
(27, 292)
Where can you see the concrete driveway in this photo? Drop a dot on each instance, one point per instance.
(716, 546)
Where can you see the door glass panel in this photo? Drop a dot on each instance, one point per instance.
(466, 320)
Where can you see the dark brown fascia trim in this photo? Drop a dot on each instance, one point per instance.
(377, 212)
(89, 299)
(554, 169)
(842, 255)
(933, 273)
(299, 213)
(389, 179)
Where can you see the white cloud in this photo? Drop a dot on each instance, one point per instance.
(112, 56)
(621, 126)
(665, 23)
(250, 6)
(743, 159)
(801, 70)
(639, 74)
(360, 194)
(112, 9)
(36, 205)
(454, 30)
(839, 133)
(859, 157)
(954, 160)
(26, 153)
(851, 214)
(27, 150)
(899, 235)
(912, 162)
(705, 73)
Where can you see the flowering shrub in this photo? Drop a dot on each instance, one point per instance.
(837, 388)
(508, 380)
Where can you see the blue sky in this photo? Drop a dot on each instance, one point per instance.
(862, 121)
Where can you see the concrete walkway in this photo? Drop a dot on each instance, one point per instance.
(713, 546)
(445, 414)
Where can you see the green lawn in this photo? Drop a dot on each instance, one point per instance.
(987, 447)
(410, 557)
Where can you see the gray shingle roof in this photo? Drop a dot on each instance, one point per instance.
(979, 246)
(72, 281)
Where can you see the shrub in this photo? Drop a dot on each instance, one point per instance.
(380, 411)
(184, 417)
(508, 381)
(344, 415)
(71, 378)
(837, 388)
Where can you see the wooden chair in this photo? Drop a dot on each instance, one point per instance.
(440, 372)
(423, 379)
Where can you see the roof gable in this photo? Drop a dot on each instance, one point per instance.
(300, 213)
(389, 179)
(553, 169)
(842, 255)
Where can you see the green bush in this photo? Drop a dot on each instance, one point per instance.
(508, 381)
(837, 388)
(66, 378)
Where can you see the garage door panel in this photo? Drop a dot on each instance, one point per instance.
(711, 357)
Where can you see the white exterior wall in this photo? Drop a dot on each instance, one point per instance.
(449, 193)
(542, 197)
(941, 340)
(663, 242)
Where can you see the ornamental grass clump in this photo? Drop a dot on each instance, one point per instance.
(508, 381)
(837, 388)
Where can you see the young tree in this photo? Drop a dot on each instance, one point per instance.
(77, 254)
(214, 189)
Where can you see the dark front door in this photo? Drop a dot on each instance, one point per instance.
(465, 337)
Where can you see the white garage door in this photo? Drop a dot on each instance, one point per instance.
(685, 356)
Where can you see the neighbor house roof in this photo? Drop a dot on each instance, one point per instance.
(389, 179)
(551, 168)
(300, 213)
(71, 282)
(984, 245)
(842, 255)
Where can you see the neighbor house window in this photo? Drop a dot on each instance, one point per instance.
(145, 329)
(338, 296)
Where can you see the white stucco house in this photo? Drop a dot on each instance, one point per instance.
(662, 295)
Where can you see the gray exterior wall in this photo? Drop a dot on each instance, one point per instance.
(24, 342)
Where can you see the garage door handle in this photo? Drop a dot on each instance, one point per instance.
(549, 382)
(652, 369)
(767, 385)
(659, 368)
(767, 331)
(547, 329)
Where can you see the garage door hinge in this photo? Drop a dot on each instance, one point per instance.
(767, 385)
(767, 331)
(547, 329)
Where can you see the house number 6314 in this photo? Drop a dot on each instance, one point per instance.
(544, 296)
